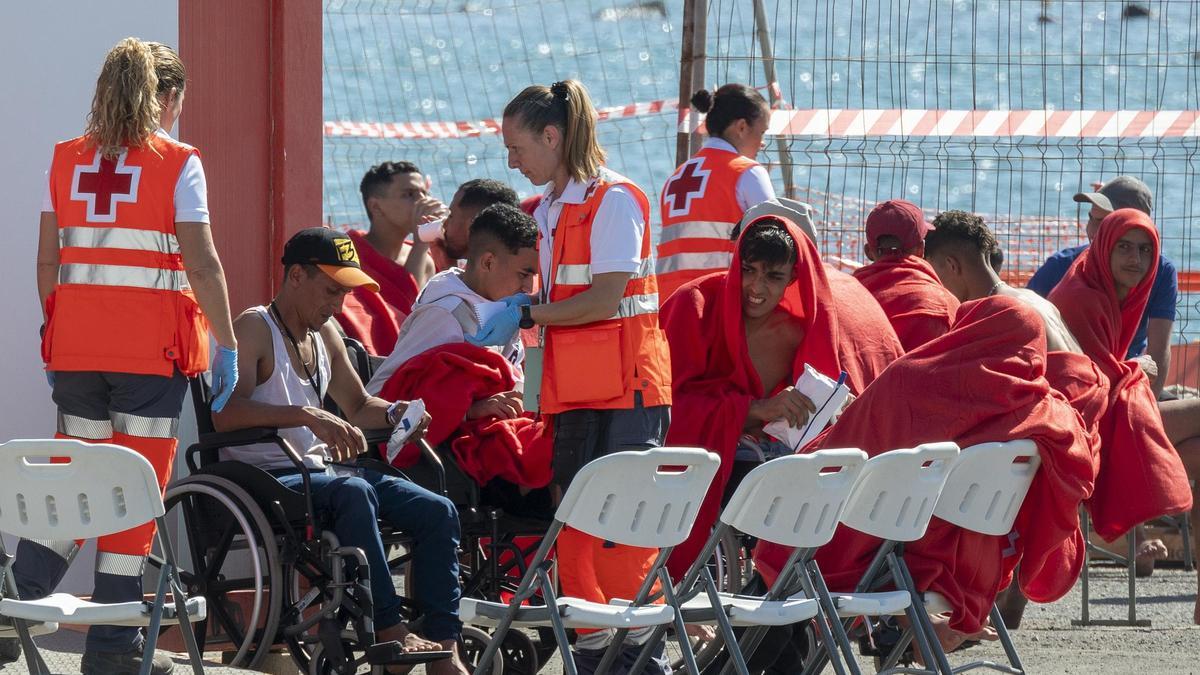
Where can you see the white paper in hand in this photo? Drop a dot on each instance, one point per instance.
(827, 396)
(405, 428)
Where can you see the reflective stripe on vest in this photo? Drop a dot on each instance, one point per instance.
(696, 229)
(118, 237)
(122, 275)
(635, 305)
(701, 263)
(581, 275)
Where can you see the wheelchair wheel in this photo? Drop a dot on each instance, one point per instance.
(474, 642)
(520, 654)
(228, 554)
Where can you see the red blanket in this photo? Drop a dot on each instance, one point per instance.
(374, 318)
(713, 379)
(1141, 476)
(916, 303)
(449, 379)
(867, 343)
(983, 381)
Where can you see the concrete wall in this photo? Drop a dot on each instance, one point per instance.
(52, 51)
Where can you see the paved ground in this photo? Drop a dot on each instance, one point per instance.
(1047, 641)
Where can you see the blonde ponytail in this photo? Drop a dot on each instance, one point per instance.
(127, 105)
(567, 106)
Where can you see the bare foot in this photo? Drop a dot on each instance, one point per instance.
(951, 639)
(411, 641)
(450, 666)
(1148, 551)
(701, 632)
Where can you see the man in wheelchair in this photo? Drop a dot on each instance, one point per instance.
(293, 355)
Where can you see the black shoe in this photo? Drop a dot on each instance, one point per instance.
(10, 650)
(124, 663)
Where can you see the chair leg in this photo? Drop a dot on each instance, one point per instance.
(1131, 565)
(685, 645)
(737, 659)
(922, 628)
(156, 612)
(813, 573)
(560, 632)
(185, 623)
(823, 619)
(1010, 650)
(33, 657)
(1185, 533)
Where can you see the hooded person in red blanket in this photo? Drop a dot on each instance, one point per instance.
(907, 288)
(473, 393)
(739, 341)
(960, 249)
(1101, 298)
(989, 369)
(396, 198)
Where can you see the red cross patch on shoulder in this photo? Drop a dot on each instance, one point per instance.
(104, 183)
(687, 183)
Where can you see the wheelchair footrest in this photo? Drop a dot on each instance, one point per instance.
(392, 654)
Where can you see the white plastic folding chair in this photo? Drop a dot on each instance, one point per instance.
(983, 494)
(793, 501)
(646, 498)
(893, 500)
(98, 490)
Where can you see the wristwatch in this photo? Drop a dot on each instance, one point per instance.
(526, 318)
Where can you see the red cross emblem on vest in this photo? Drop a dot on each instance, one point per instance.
(688, 182)
(104, 183)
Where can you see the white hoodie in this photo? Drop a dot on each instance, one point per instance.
(444, 313)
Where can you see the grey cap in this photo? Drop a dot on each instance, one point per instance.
(797, 212)
(1122, 192)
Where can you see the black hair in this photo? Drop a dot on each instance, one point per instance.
(996, 260)
(378, 177)
(728, 104)
(962, 229)
(503, 223)
(768, 241)
(485, 192)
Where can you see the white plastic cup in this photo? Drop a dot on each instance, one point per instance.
(431, 231)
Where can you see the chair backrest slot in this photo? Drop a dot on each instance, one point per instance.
(630, 497)
(795, 500)
(896, 491)
(1003, 470)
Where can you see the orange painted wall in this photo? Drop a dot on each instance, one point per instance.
(253, 108)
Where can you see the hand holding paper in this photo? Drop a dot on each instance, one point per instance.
(408, 425)
(826, 395)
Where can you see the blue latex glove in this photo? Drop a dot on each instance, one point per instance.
(224, 377)
(518, 300)
(499, 330)
(50, 378)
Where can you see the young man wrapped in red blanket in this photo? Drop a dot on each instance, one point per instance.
(906, 286)
(473, 393)
(983, 381)
(740, 339)
(1145, 446)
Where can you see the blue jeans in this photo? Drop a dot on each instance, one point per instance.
(354, 503)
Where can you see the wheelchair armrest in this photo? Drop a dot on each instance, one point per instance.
(250, 436)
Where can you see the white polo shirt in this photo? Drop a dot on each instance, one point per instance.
(754, 185)
(617, 228)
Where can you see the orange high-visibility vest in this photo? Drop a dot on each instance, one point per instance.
(601, 365)
(122, 303)
(699, 210)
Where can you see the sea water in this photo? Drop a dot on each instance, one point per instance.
(445, 61)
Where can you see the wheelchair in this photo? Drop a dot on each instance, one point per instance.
(257, 551)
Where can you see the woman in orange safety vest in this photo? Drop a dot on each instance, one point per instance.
(706, 196)
(606, 374)
(129, 282)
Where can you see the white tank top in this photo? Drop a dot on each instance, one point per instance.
(286, 386)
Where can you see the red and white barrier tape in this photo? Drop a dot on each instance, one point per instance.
(994, 123)
(839, 123)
